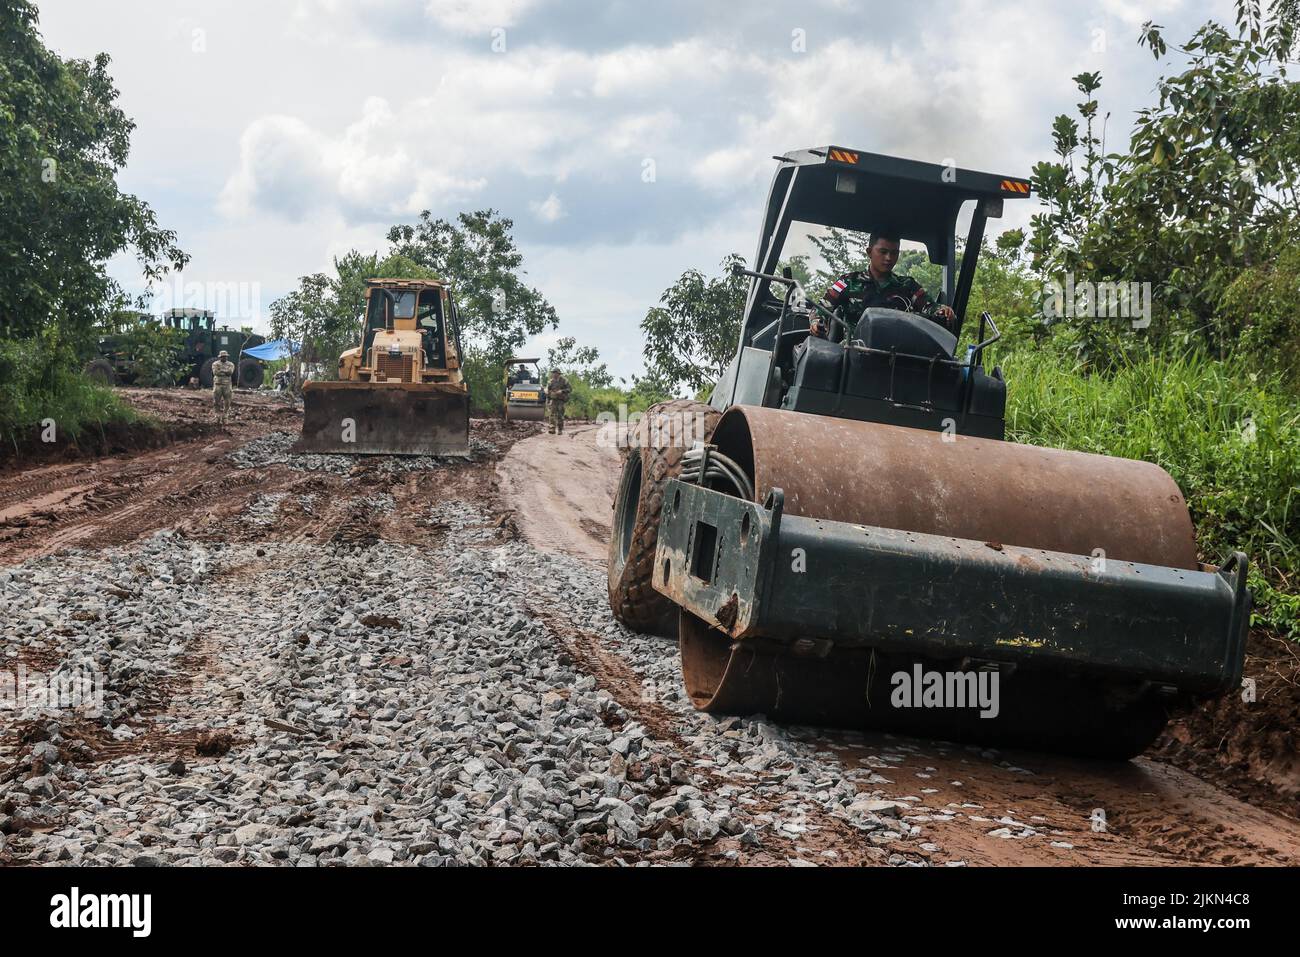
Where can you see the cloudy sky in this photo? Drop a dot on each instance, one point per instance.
(627, 140)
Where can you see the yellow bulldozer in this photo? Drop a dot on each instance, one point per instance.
(401, 391)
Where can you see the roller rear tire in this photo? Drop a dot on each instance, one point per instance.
(664, 434)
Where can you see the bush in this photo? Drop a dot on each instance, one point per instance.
(1264, 304)
(157, 352)
(39, 380)
(485, 378)
(1229, 437)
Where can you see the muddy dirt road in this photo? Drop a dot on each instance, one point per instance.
(416, 665)
(562, 488)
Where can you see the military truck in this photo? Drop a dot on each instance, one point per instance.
(198, 344)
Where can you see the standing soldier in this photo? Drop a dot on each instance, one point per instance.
(222, 371)
(557, 393)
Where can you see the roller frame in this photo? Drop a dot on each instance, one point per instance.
(946, 598)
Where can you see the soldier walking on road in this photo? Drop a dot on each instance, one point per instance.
(222, 391)
(557, 393)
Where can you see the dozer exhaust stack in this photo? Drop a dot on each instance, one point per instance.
(384, 419)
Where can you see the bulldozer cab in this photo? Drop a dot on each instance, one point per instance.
(415, 305)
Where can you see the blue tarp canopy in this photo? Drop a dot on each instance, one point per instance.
(275, 349)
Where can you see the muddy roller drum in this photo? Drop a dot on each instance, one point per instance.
(516, 412)
(869, 550)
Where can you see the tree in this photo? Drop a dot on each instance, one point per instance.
(691, 336)
(1206, 188)
(158, 352)
(63, 140)
(478, 255)
(310, 315)
(1005, 288)
(575, 361)
(647, 390)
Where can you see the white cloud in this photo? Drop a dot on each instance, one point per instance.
(361, 113)
(548, 210)
(470, 17)
(1135, 14)
(370, 171)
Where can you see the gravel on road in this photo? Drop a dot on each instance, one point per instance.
(299, 704)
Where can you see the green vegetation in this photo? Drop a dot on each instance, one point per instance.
(594, 390)
(63, 140)
(476, 254)
(1203, 206)
(691, 336)
(41, 385)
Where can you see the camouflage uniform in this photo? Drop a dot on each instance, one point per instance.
(222, 370)
(557, 393)
(856, 291)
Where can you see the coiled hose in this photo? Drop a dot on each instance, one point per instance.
(721, 469)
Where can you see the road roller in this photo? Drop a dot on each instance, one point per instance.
(523, 396)
(842, 535)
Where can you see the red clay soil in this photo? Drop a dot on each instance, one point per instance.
(1251, 748)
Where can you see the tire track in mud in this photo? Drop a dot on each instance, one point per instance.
(1081, 812)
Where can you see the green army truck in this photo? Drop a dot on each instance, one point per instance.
(198, 342)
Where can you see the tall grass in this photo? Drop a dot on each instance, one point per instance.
(40, 382)
(1230, 439)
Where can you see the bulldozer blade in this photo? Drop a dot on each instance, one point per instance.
(368, 418)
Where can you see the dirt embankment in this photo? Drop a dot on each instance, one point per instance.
(1248, 742)
(168, 416)
(169, 472)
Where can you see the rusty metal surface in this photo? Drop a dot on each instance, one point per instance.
(999, 492)
(517, 412)
(387, 418)
(1005, 496)
(727, 562)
